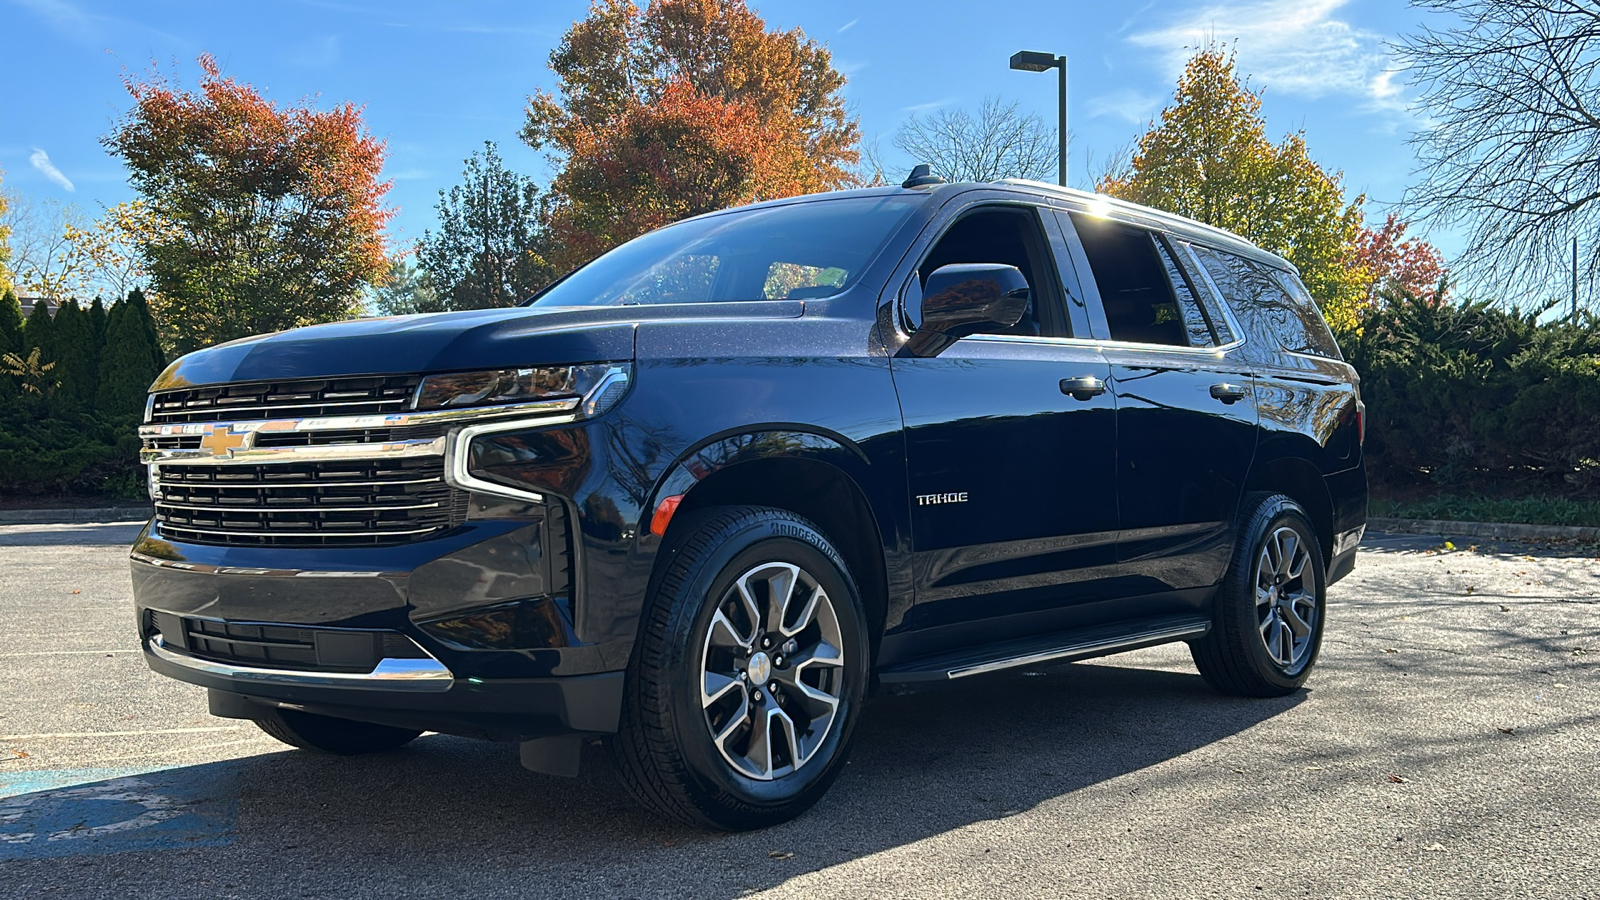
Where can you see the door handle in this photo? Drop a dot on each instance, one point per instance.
(1083, 387)
(1227, 393)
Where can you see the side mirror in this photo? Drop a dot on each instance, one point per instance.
(963, 299)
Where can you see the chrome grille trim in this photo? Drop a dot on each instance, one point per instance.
(313, 453)
(358, 423)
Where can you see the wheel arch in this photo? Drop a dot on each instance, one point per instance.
(814, 475)
(1301, 481)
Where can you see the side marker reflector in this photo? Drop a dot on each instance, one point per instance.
(663, 516)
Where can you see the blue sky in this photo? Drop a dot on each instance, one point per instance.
(437, 80)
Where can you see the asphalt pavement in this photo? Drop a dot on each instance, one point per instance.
(1446, 747)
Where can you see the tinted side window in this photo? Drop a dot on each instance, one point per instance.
(1146, 298)
(1008, 236)
(1262, 296)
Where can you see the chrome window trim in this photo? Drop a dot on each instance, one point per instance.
(425, 675)
(1197, 265)
(355, 423)
(1211, 352)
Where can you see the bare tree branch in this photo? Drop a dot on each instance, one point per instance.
(1512, 149)
(999, 142)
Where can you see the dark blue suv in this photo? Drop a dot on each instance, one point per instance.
(707, 492)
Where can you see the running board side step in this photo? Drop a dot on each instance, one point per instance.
(1061, 646)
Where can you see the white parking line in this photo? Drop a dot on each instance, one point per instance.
(65, 652)
(87, 734)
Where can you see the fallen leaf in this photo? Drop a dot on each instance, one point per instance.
(1435, 848)
(1390, 650)
(1469, 590)
(1505, 608)
(1511, 730)
(1449, 546)
(779, 854)
(77, 592)
(1397, 779)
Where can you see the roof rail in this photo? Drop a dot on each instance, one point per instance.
(1221, 234)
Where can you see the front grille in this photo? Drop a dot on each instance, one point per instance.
(312, 504)
(315, 398)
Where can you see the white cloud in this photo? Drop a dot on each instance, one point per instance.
(41, 161)
(1126, 104)
(847, 26)
(1297, 47)
(932, 104)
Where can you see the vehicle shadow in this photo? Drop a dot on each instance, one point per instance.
(447, 813)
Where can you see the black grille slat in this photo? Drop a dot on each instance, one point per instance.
(314, 398)
(308, 504)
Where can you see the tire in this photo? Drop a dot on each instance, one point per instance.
(690, 745)
(1264, 644)
(344, 737)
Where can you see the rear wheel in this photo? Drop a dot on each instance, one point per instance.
(1267, 622)
(750, 668)
(344, 737)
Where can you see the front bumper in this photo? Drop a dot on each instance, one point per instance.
(480, 616)
(409, 695)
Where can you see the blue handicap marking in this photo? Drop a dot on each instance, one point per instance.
(73, 812)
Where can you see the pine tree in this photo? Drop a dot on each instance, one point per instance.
(72, 341)
(10, 322)
(97, 328)
(130, 361)
(141, 308)
(11, 340)
(36, 334)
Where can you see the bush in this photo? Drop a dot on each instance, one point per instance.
(68, 452)
(1480, 397)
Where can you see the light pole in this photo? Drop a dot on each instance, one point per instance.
(1033, 61)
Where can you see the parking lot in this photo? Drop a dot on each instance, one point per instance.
(1447, 747)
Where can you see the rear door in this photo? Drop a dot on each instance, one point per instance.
(1012, 479)
(1186, 410)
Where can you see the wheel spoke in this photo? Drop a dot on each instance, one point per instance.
(733, 723)
(751, 609)
(716, 687)
(1288, 548)
(807, 613)
(724, 634)
(1289, 608)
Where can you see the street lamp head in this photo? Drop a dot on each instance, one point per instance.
(1033, 61)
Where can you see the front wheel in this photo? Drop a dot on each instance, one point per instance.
(1268, 615)
(750, 668)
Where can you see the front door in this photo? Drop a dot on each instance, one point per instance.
(1012, 477)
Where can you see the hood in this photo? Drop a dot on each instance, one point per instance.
(448, 342)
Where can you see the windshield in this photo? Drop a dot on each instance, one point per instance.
(794, 251)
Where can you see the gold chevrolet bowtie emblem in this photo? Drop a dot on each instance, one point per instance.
(221, 440)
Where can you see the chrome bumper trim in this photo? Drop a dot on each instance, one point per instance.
(411, 675)
(315, 453)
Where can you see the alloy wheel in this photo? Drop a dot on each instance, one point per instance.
(1286, 600)
(772, 671)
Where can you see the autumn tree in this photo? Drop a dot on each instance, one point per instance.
(270, 217)
(489, 249)
(682, 108)
(1394, 264)
(997, 142)
(1209, 158)
(5, 240)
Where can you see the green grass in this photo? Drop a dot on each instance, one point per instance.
(1521, 510)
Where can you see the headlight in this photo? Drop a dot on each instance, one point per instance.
(599, 383)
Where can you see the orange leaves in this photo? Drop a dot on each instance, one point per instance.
(1415, 266)
(271, 216)
(683, 108)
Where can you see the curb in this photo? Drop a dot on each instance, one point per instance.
(75, 516)
(1503, 530)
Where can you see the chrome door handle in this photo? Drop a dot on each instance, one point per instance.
(1083, 387)
(1227, 393)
